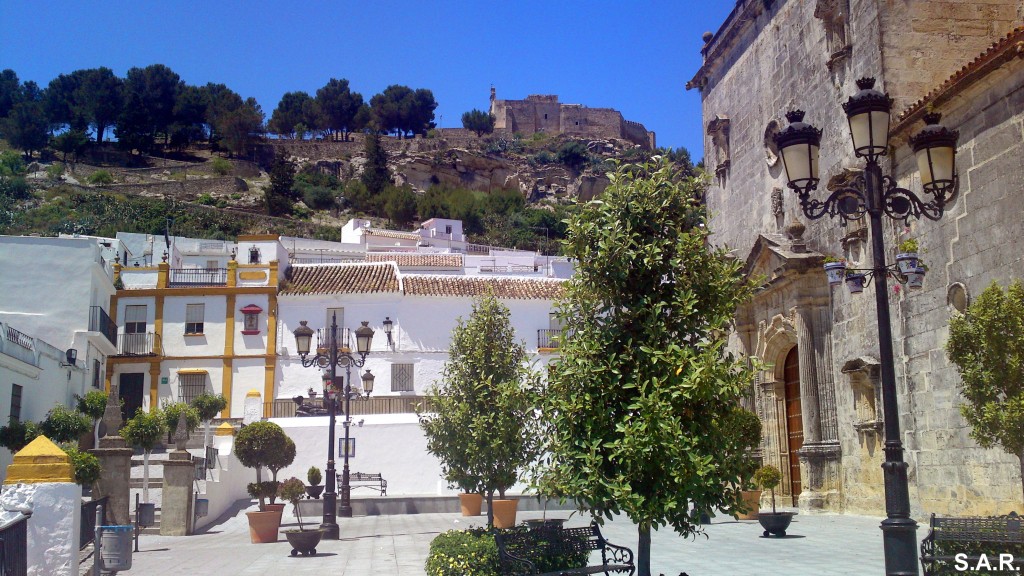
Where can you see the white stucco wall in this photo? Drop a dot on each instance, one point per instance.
(211, 342)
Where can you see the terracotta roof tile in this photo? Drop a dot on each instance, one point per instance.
(1005, 49)
(392, 234)
(424, 260)
(341, 278)
(517, 288)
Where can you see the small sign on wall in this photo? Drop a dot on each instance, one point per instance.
(351, 447)
(164, 380)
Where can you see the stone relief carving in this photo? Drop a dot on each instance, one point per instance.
(718, 129)
(835, 16)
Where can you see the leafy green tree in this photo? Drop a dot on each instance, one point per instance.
(574, 154)
(483, 428)
(259, 445)
(294, 108)
(18, 434)
(339, 106)
(208, 406)
(86, 466)
(70, 142)
(150, 94)
(9, 91)
(403, 110)
(145, 430)
(93, 405)
(986, 344)
(400, 204)
(281, 194)
(238, 127)
(99, 99)
(26, 126)
(63, 424)
(280, 459)
(172, 412)
(642, 407)
(478, 121)
(375, 174)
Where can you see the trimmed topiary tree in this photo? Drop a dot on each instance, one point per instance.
(260, 445)
(93, 405)
(144, 430)
(64, 425)
(208, 406)
(18, 434)
(171, 414)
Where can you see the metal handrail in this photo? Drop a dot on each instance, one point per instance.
(19, 338)
(99, 321)
(141, 344)
(549, 338)
(89, 520)
(189, 277)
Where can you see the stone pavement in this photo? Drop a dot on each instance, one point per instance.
(818, 545)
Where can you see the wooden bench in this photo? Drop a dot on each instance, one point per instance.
(371, 481)
(959, 542)
(557, 551)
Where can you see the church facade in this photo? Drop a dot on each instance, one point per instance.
(819, 395)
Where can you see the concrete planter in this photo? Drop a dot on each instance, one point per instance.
(304, 541)
(775, 522)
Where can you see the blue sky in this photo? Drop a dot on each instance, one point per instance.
(632, 56)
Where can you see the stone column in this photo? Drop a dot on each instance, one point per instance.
(41, 482)
(115, 462)
(179, 473)
(807, 344)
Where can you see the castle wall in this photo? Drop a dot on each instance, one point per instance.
(539, 113)
(766, 61)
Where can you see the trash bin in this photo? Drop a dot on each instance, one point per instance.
(202, 507)
(146, 514)
(116, 547)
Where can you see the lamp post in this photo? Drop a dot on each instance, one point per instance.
(330, 357)
(874, 194)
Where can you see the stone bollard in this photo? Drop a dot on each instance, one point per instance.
(41, 482)
(116, 464)
(179, 471)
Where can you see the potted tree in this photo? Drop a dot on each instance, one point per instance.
(302, 541)
(768, 477)
(260, 445)
(314, 477)
(835, 269)
(910, 264)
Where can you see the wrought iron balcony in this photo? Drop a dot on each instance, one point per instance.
(99, 321)
(549, 338)
(146, 344)
(197, 277)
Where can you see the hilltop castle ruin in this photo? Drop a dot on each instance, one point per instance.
(544, 113)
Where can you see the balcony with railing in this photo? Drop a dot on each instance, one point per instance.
(197, 277)
(289, 408)
(549, 339)
(147, 344)
(99, 321)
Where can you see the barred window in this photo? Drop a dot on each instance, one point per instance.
(135, 319)
(97, 373)
(402, 377)
(190, 385)
(16, 402)
(194, 318)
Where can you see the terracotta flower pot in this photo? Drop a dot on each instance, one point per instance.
(263, 526)
(752, 501)
(277, 508)
(504, 513)
(471, 504)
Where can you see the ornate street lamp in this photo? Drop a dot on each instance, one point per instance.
(388, 325)
(868, 114)
(331, 356)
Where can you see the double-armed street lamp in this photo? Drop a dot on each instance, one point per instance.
(868, 113)
(329, 357)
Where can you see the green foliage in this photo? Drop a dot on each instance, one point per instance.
(909, 245)
(399, 204)
(478, 121)
(262, 490)
(295, 110)
(14, 188)
(173, 411)
(403, 110)
(18, 434)
(11, 164)
(206, 200)
(221, 166)
(93, 404)
(375, 174)
(264, 444)
(71, 142)
(54, 171)
(100, 178)
(484, 430)
(641, 407)
(86, 466)
(208, 406)
(463, 553)
(573, 154)
(339, 106)
(292, 490)
(319, 197)
(313, 476)
(64, 425)
(986, 344)
(145, 429)
(768, 478)
(26, 126)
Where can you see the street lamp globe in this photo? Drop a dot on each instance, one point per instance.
(303, 336)
(935, 147)
(368, 382)
(868, 114)
(798, 144)
(364, 337)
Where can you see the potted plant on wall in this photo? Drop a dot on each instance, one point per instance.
(314, 477)
(835, 269)
(768, 478)
(259, 445)
(910, 264)
(303, 541)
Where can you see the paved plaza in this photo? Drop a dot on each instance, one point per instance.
(818, 545)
